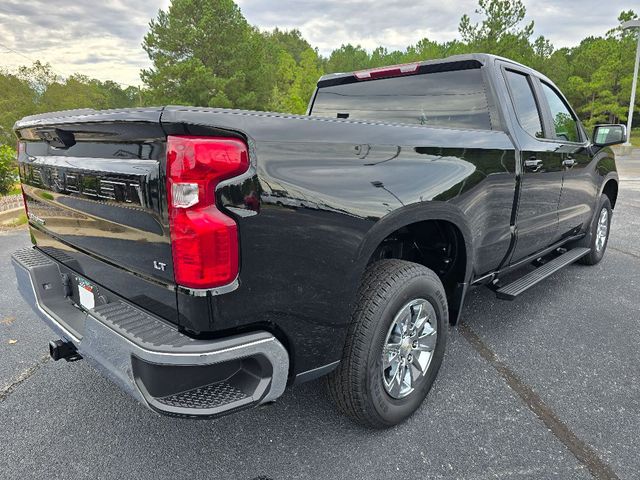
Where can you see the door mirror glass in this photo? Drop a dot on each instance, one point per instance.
(604, 135)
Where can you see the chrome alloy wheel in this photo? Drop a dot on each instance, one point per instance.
(603, 230)
(408, 347)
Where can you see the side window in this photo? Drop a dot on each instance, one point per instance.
(524, 103)
(565, 125)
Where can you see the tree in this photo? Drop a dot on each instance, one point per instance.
(39, 76)
(501, 19)
(601, 72)
(16, 101)
(206, 54)
(36, 88)
(427, 49)
(77, 91)
(290, 41)
(499, 32)
(298, 67)
(542, 52)
(296, 82)
(8, 169)
(348, 58)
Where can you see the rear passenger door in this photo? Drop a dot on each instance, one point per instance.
(564, 132)
(540, 168)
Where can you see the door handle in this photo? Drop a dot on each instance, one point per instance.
(568, 162)
(533, 164)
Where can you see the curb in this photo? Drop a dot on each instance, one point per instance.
(12, 214)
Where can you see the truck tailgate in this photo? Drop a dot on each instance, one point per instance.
(95, 196)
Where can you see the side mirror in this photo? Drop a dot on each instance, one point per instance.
(604, 135)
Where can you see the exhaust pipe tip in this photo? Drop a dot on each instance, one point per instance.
(61, 349)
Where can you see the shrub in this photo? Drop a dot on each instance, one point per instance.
(8, 169)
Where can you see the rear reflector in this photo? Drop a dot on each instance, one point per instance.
(385, 72)
(204, 240)
(20, 150)
(24, 200)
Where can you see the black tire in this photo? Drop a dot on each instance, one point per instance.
(356, 386)
(590, 241)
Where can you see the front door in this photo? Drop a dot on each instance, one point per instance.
(579, 190)
(541, 170)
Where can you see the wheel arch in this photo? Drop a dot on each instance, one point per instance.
(418, 214)
(607, 174)
(610, 189)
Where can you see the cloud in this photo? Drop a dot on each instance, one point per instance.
(329, 24)
(567, 23)
(103, 39)
(99, 39)
(396, 24)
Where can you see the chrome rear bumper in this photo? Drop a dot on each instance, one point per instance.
(159, 366)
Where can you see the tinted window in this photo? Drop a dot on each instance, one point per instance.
(565, 125)
(448, 99)
(524, 103)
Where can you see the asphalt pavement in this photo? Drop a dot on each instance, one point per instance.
(546, 386)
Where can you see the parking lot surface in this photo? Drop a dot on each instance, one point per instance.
(546, 386)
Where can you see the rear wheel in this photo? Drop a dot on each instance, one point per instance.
(395, 344)
(598, 237)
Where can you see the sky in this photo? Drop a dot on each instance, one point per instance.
(102, 39)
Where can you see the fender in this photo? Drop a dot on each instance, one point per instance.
(415, 213)
(605, 170)
(605, 165)
(610, 176)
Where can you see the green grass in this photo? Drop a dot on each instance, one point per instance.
(16, 222)
(635, 137)
(45, 195)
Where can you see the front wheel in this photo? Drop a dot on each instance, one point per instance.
(394, 346)
(598, 237)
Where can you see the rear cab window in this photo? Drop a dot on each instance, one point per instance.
(454, 99)
(524, 103)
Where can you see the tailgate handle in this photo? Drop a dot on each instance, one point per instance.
(56, 137)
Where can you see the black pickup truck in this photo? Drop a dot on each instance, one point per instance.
(204, 259)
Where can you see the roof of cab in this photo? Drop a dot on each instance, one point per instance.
(483, 58)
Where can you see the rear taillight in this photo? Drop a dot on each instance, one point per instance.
(204, 241)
